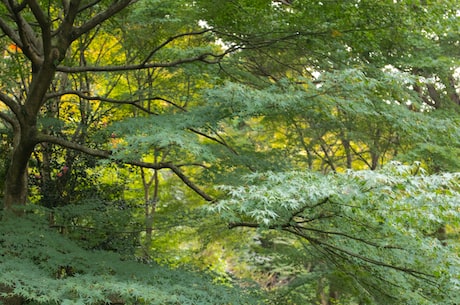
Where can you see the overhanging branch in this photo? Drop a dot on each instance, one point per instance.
(105, 154)
(189, 183)
(340, 251)
(205, 58)
(376, 262)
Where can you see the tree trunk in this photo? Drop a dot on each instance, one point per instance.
(9, 300)
(16, 180)
(347, 147)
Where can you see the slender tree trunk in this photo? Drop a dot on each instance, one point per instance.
(347, 147)
(451, 89)
(150, 201)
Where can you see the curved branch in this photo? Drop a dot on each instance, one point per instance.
(189, 183)
(170, 39)
(11, 104)
(134, 103)
(413, 272)
(362, 240)
(297, 230)
(158, 98)
(84, 96)
(107, 154)
(10, 120)
(41, 137)
(218, 139)
(206, 58)
(10, 32)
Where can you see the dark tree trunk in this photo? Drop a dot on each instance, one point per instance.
(16, 180)
(9, 300)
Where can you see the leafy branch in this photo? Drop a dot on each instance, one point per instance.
(106, 154)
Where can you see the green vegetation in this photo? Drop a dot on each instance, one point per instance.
(229, 152)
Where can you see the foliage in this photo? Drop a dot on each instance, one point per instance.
(68, 274)
(121, 116)
(375, 229)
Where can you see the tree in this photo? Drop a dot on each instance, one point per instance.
(46, 39)
(220, 90)
(44, 46)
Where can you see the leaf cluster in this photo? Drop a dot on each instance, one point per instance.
(375, 229)
(41, 266)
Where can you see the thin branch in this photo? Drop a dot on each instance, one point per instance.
(256, 225)
(41, 137)
(82, 95)
(135, 104)
(205, 58)
(362, 240)
(89, 5)
(158, 98)
(170, 39)
(192, 164)
(217, 140)
(302, 209)
(413, 272)
(333, 257)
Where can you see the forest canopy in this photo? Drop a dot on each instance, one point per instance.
(229, 152)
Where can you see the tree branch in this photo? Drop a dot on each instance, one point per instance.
(413, 272)
(189, 183)
(44, 24)
(10, 120)
(71, 11)
(41, 137)
(170, 39)
(28, 41)
(362, 240)
(205, 57)
(113, 9)
(10, 32)
(12, 105)
(107, 154)
(41, 18)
